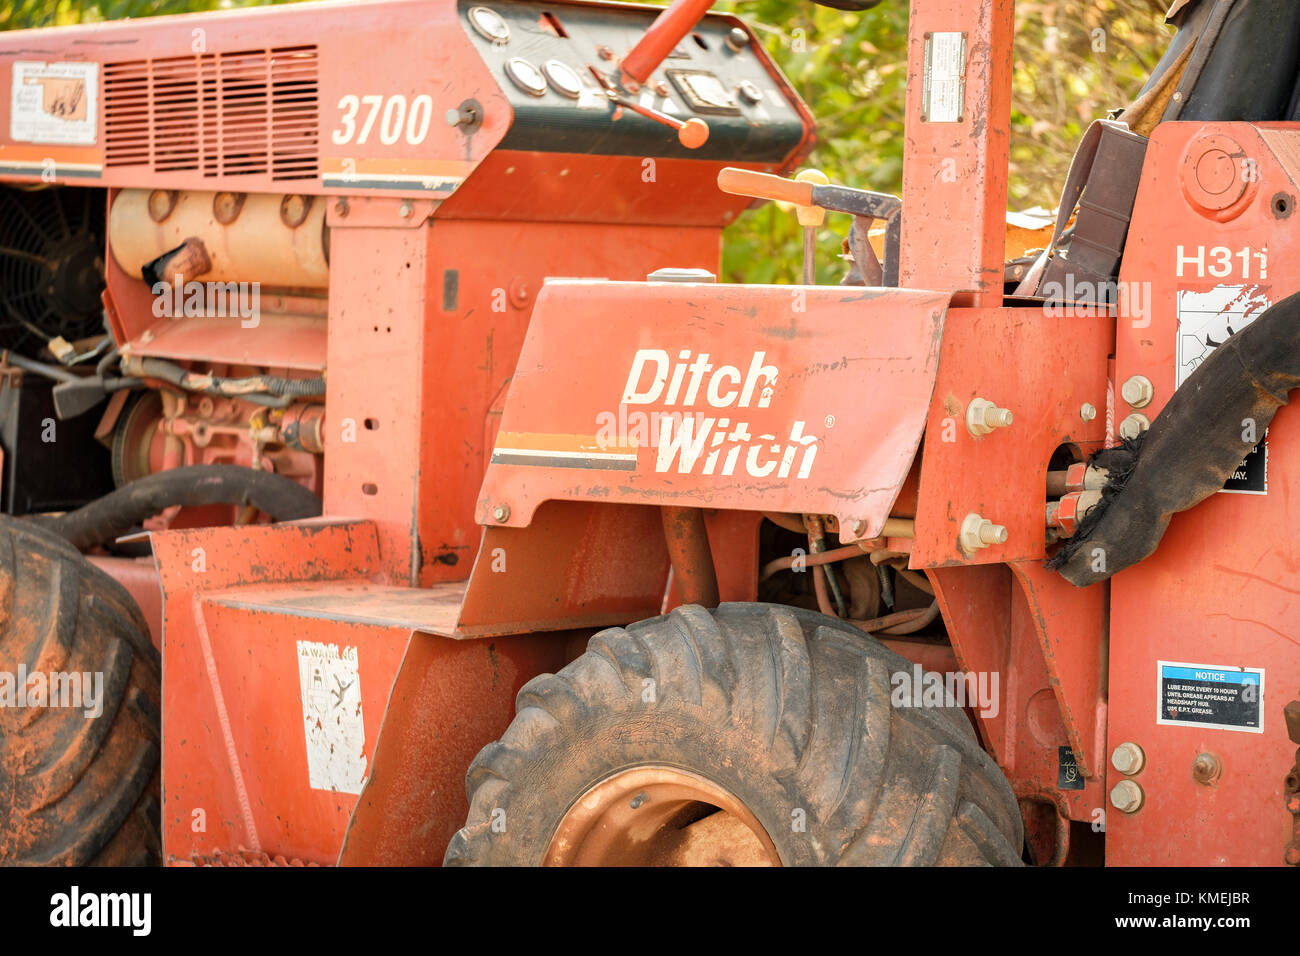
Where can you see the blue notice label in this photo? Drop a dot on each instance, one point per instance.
(1210, 696)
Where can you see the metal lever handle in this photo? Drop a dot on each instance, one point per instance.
(855, 202)
(692, 133)
(860, 203)
(746, 182)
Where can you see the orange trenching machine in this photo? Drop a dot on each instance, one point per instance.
(959, 561)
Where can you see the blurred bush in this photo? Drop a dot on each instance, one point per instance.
(1074, 60)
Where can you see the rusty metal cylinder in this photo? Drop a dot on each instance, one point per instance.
(691, 557)
(272, 239)
(303, 428)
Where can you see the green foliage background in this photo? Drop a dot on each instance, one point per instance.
(1074, 60)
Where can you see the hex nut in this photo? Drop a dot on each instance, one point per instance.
(1087, 411)
(978, 532)
(501, 514)
(983, 417)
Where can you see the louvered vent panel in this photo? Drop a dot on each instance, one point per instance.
(248, 113)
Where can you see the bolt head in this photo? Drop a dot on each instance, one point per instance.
(1134, 425)
(1087, 411)
(1126, 796)
(501, 514)
(1128, 758)
(1137, 391)
(1293, 855)
(1206, 768)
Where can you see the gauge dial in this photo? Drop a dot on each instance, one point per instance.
(489, 24)
(564, 78)
(526, 76)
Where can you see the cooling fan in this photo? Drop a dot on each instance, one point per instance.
(51, 266)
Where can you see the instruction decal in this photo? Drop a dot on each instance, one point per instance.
(943, 85)
(1205, 321)
(1210, 696)
(331, 714)
(54, 103)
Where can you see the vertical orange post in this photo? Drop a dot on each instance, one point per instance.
(377, 319)
(956, 146)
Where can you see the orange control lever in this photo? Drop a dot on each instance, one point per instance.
(692, 133)
(746, 182)
(664, 34)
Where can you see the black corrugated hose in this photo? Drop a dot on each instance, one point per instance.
(118, 512)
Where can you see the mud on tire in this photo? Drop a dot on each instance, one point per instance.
(75, 790)
(787, 710)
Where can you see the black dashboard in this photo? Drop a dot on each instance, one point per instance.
(543, 55)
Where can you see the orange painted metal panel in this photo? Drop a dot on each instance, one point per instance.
(996, 630)
(579, 564)
(229, 707)
(482, 280)
(238, 772)
(306, 59)
(1014, 358)
(717, 396)
(1223, 588)
(449, 700)
(140, 577)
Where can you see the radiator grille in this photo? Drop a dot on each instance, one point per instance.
(247, 113)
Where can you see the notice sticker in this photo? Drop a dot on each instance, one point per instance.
(331, 713)
(1210, 696)
(943, 86)
(54, 103)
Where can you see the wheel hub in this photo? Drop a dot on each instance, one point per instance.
(659, 816)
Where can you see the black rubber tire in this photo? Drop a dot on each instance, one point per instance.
(787, 709)
(76, 790)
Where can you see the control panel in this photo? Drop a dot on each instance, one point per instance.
(558, 65)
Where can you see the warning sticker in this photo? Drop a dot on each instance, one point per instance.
(54, 103)
(1205, 321)
(331, 713)
(1217, 698)
(943, 86)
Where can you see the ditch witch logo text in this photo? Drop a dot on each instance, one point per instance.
(698, 443)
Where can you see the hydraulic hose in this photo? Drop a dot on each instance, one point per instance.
(1194, 445)
(119, 511)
